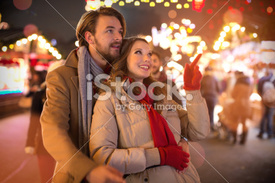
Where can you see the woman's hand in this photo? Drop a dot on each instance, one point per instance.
(174, 156)
(192, 75)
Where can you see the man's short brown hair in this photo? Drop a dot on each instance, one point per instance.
(88, 22)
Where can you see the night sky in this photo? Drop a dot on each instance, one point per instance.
(61, 25)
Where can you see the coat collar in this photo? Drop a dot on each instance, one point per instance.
(72, 59)
(126, 100)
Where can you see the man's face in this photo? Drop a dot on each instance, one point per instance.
(108, 37)
(156, 63)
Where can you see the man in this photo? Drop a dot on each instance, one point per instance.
(264, 84)
(67, 113)
(210, 90)
(162, 77)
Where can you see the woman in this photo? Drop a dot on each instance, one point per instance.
(129, 134)
(240, 109)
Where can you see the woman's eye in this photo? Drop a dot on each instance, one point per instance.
(149, 54)
(138, 52)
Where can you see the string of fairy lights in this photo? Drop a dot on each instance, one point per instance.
(42, 43)
(176, 37)
(95, 4)
(231, 31)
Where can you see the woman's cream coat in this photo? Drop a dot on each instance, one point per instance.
(121, 136)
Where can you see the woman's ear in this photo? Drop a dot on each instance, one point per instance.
(89, 37)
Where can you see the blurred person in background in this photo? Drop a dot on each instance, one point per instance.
(230, 82)
(240, 109)
(266, 124)
(210, 90)
(37, 78)
(34, 144)
(162, 77)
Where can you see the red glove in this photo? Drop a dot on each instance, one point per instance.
(173, 156)
(192, 75)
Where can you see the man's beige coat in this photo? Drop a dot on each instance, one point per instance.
(60, 125)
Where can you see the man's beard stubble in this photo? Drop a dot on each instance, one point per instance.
(105, 56)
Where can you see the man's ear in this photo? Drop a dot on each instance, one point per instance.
(89, 37)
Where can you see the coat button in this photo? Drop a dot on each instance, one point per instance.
(145, 179)
(123, 97)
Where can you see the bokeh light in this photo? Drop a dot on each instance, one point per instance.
(76, 43)
(11, 46)
(137, 3)
(30, 29)
(269, 9)
(186, 5)
(192, 26)
(152, 4)
(121, 3)
(172, 14)
(179, 6)
(108, 3)
(53, 42)
(189, 30)
(4, 48)
(209, 11)
(148, 38)
(166, 4)
(211, 26)
(164, 25)
(22, 4)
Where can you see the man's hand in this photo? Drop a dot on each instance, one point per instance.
(185, 148)
(105, 174)
(30, 150)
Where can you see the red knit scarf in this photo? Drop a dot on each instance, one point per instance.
(161, 132)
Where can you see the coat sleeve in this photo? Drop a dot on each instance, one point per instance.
(72, 164)
(104, 142)
(195, 124)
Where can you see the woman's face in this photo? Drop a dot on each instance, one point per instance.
(139, 61)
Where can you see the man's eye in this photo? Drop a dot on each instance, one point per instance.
(121, 32)
(110, 31)
(150, 54)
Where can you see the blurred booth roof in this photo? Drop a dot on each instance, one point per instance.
(8, 36)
